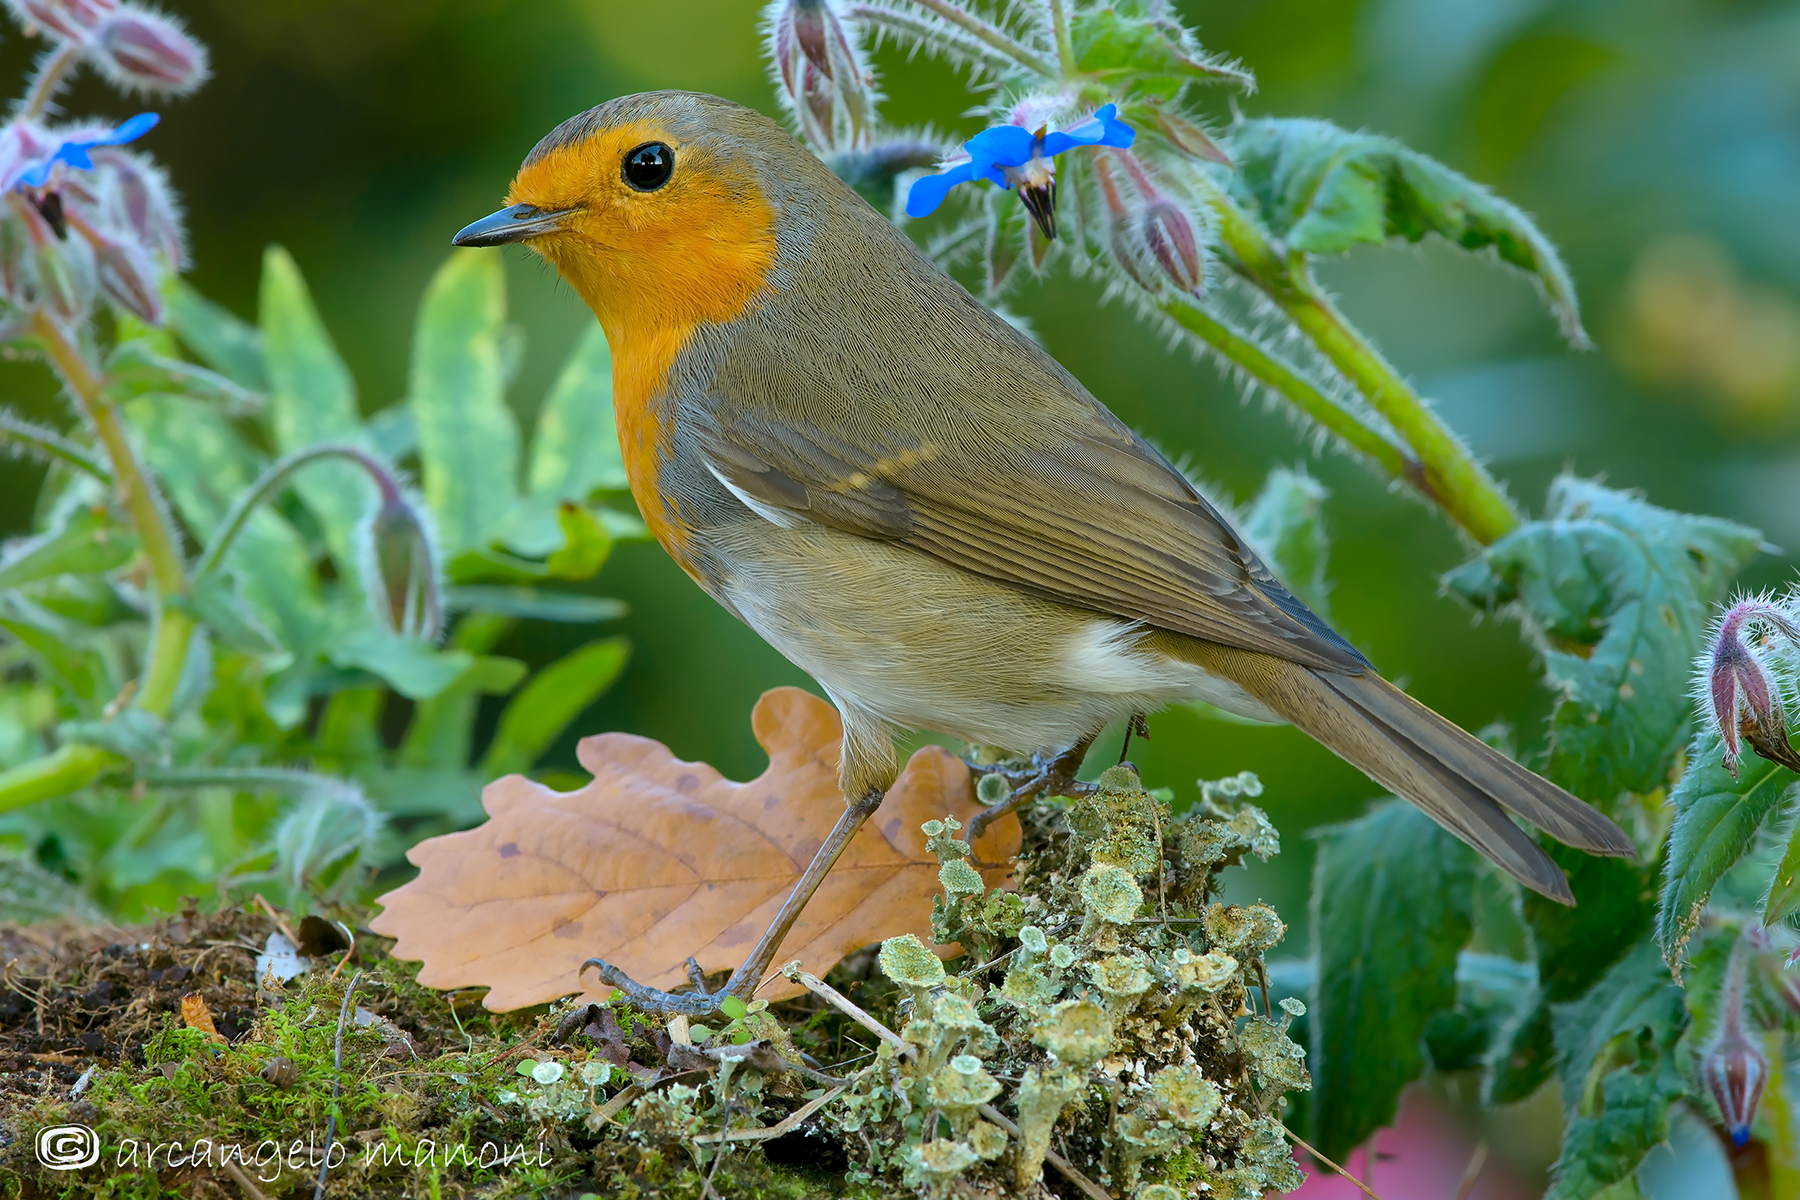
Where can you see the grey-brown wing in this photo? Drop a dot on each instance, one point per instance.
(1085, 513)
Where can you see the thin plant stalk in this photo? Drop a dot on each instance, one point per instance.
(168, 572)
(50, 75)
(1065, 49)
(271, 481)
(55, 774)
(996, 38)
(50, 445)
(1448, 473)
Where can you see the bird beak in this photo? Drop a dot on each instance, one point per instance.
(513, 224)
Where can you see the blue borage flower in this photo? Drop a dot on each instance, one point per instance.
(75, 151)
(1010, 154)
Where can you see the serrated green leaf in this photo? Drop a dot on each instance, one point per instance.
(442, 728)
(1131, 39)
(1617, 593)
(312, 399)
(412, 666)
(230, 346)
(557, 695)
(534, 603)
(575, 449)
(1323, 190)
(1616, 1057)
(1717, 819)
(468, 438)
(1286, 525)
(1393, 902)
(85, 541)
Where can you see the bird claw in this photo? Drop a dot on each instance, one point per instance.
(699, 1003)
(1047, 774)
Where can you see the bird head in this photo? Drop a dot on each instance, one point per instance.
(657, 209)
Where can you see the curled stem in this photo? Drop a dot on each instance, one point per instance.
(51, 73)
(271, 481)
(996, 38)
(1447, 472)
(168, 571)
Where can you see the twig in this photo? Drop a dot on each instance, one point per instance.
(1088, 1186)
(244, 1181)
(1298, 1141)
(611, 1108)
(839, 1001)
(786, 1125)
(286, 932)
(348, 954)
(337, 1072)
(1262, 973)
(1477, 1160)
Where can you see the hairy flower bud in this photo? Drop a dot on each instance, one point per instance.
(1735, 690)
(820, 73)
(65, 18)
(139, 49)
(400, 571)
(1128, 254)
(1166, 231)
(1735, 1069)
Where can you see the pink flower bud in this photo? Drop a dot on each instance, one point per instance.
(1169, 234)
(1735, 689)
(400, 570)
(1735, 1069)
(820, 73)
(135, 196)
(64, 18)
(137, 48)
(1122, 233)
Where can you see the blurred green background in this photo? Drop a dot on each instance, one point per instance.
(1658, 142)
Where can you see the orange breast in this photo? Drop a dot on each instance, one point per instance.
(654, 266)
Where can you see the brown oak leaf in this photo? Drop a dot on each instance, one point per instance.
(656, 859)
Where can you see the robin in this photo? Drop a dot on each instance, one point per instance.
(918, 506)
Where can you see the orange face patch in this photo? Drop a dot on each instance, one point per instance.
(652, 266)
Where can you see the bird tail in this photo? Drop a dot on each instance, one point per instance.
(1459, 781)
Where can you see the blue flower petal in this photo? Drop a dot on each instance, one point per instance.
(923, 198)
(75, 153)
(1102, 129)
(1002, 145)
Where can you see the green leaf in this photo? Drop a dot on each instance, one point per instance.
(468, 438)
(575, 449)
(586, 544)
(483, 564)
(1490, 991)
(554, 697)
(74, 664)
(1717, 819)
(442, 729)
(1286, 525)
(134, 368)
(414, 667)
(733, 1007)
(84, 541)
(1616, 1057)
(1322, 190)
(1616, 593)
(1784, 886)
(312, 399)
(570, 607)
(1132, 39)
(1393, 902)
(228, 345)
(216, 600)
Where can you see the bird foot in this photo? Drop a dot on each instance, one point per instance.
(697, 1003)
(1041, 775)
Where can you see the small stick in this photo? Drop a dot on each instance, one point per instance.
(348, 954)
(1363, 1187)
(786, 1125)
(337, 1071)
(611, 1108)
(1476, 1162)
(289, 934)
(1088, 1186)
(837, 1000)
(244, 1181)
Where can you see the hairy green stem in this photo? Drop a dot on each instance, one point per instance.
(50, 75)
(1065, 49)
(992, 36)
(1272, 372)
(174, 627)
(55, 774)
(1448, 473)
(50, 445)
(270, 482)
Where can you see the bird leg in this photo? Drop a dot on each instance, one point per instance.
(749, 976)
(1047, 774)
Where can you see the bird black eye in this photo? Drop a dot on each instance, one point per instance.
(649, 166)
